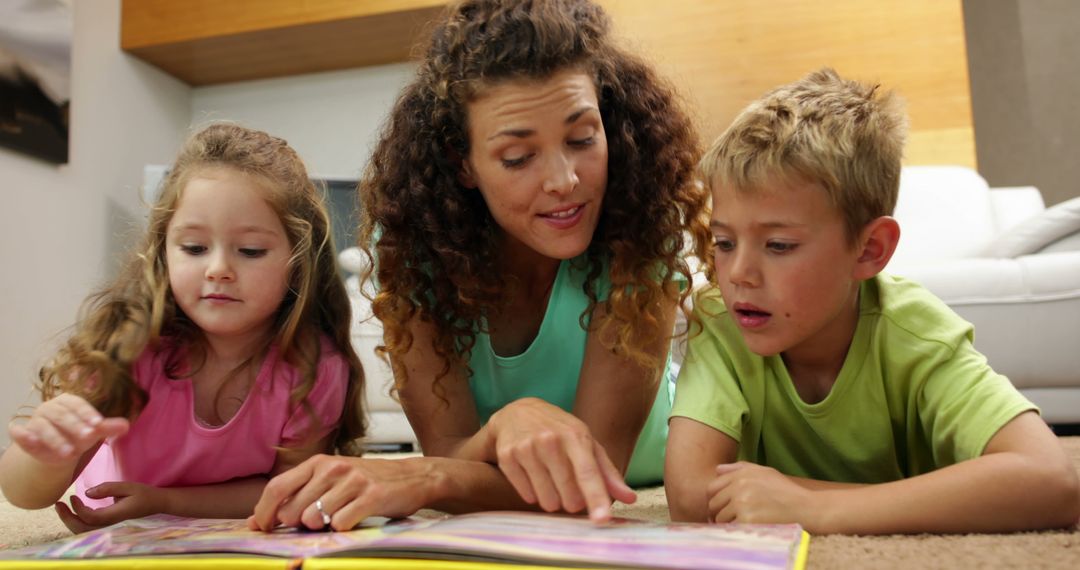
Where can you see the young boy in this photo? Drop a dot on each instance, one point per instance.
(853, 402)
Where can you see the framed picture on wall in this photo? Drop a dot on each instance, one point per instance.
(35, 82)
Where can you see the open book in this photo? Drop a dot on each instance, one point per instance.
(504, 537)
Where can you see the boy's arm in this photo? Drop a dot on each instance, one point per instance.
(1023, 481)
(693, 452)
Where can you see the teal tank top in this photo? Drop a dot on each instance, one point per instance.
(550, 367)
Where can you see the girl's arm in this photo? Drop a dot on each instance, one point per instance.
(229, 499)
(51, 449)
(1023, 481)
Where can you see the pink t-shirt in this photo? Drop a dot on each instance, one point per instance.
(167, 446)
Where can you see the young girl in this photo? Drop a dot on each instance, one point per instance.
(219, 357)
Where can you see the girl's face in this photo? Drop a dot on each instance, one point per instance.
(538, 154)
(227, 255)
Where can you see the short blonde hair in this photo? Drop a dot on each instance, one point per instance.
(845, 136)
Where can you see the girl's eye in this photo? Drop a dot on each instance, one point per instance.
(582, 143)
(781, 247)
(252, 252)
(516, 162)
(193, 249)
(723, 244)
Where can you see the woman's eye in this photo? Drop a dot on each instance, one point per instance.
(585, 142)
(252, 252)
(193, 249)
(516, 162)
(723, 244)
(781, 247)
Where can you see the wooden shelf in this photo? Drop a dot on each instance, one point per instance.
(206, 42)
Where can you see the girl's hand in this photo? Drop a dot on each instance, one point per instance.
(751, 493)
(551, 458)
(133, 500)
(349, 489)
(63, 428)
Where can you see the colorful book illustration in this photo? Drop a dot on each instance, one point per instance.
(502, 537)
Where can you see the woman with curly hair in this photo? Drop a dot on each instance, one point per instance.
(528, 208)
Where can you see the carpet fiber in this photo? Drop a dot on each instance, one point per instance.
(1031, 550)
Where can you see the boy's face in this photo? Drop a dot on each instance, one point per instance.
(786, 270)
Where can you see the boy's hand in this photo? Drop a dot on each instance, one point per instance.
(133, 500)
(63, 428)
(751, 493)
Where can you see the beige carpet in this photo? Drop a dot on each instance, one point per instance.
(1035, 550)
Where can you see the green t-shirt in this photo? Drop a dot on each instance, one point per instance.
(913, 394)
(550, 368)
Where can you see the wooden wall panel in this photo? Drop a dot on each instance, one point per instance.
(722, 54)
(205, 42)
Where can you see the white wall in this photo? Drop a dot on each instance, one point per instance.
(64, 226)
(331, 119)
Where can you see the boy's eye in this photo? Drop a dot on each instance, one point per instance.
(723, 244)
(781, 247)
(252, 252)
(193, 249)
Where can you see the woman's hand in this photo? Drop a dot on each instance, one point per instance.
(751, 493)
(349, 489)
(551, 458)
(133, 500)
(63, 428)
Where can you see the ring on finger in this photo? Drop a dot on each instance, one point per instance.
(322, 512)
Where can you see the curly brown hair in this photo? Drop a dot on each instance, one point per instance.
(435, 243)
(138, 310)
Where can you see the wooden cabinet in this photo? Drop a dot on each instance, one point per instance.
(204, 42)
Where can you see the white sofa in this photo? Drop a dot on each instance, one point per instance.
(1008, 265)
(386, 421)
(997, 256)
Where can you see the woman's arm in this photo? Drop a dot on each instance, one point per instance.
(552, 458)
(615, 394)
(447, 425)
(352, 488)
(1023, 481)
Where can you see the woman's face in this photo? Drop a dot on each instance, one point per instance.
(538, 154)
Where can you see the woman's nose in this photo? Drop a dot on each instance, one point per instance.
(560, 176)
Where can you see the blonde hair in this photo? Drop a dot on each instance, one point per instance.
(842, 135)
(137, 311)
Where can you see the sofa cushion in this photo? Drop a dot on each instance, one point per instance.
(1038, 232)
(944, 213)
